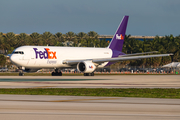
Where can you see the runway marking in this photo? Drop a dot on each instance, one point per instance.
(90, 114)
(61, 82)
(28, 80)
(80, 100)
(44, 86)
(75, 100)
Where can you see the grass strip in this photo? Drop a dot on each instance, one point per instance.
(115, 92)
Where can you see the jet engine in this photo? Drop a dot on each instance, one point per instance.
(86, 67)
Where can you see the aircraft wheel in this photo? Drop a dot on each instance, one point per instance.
(53, 74)
(86, 74)
(56, 73)
(21, 74)
(92, 74)
(60, 74)
(89, 74)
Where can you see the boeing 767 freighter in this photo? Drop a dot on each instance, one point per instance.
(85, 59)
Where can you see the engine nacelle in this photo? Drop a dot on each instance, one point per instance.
(86, 67)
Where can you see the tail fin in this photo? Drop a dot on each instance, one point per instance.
(118, 38)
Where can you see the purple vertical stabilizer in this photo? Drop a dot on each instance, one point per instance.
(117, 41)
(118, 38)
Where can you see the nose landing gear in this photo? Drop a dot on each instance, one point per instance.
(21, 71)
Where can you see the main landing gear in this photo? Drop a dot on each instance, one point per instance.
(56, 73)
(89, 74)
(21, 71)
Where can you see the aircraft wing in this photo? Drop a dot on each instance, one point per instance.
(101, 60)
(135, 54)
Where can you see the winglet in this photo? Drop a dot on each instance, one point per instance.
(118, 38)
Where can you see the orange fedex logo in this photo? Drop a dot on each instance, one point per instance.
(91, 66)
(51, 54)
(46, 54)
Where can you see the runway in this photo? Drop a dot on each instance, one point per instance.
(28, 107)
(100, 81)
(36, 107)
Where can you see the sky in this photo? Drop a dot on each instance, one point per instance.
(146, 17)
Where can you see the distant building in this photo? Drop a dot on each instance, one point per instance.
(109, 37)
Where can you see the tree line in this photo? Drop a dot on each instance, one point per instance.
(166, 44)
(10, 41)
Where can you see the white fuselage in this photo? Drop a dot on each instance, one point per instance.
(53, 57)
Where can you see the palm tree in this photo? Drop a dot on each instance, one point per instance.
(130, 45)
(2, 60)
(177, 52)
(126, 42)
(35, 39)
(173, 46)
(22, 39)
(59, 37)
(103, 43)
(93, 36)
(2, 42)
(81, 36)
(160, 44)
(11, 40)
(152, 44)
(70, 36)
(48, 38)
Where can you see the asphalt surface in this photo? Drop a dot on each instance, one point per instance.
(37, 107)
(101, 81)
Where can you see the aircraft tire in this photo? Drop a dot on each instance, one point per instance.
(21, 74)
(60, 74)
(56, 73)
(86, 74)
(89, 74)
(53, 74)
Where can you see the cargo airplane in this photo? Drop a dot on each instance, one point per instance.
(85, 59)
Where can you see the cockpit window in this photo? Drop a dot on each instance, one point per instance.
(18, 52)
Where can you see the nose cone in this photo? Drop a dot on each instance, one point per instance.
(13, 59)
